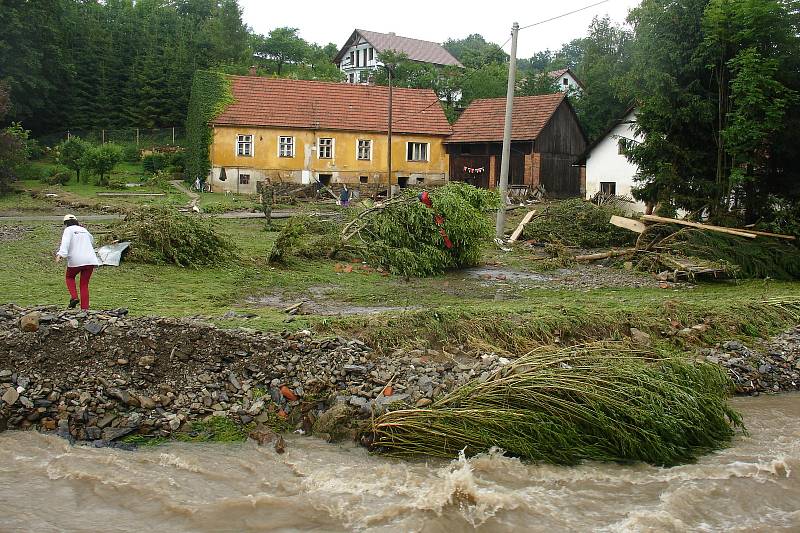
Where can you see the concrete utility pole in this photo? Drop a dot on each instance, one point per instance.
(504, 162)
(389, 194)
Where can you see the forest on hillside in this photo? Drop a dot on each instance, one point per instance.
(715, 83)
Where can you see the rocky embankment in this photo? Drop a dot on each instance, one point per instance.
(100, 376)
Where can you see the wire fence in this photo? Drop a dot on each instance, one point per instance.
(139, 137)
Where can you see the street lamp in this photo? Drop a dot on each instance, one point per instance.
(389, 72)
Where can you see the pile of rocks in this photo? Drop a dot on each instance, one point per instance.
(773, 366)
(104, 375)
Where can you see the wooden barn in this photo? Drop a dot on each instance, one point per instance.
(546, 139)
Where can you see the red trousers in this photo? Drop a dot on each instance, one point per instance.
(86, 273)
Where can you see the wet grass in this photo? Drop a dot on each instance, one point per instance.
(449, 309)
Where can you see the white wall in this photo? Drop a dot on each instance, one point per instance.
(605, 163)
(571, 84)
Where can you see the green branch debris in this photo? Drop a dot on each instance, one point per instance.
(603, 401)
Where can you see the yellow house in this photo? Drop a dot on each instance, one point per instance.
(300, 131)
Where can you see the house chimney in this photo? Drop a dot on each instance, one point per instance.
(253, 70)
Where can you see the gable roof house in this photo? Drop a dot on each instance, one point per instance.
(546, 138)
(358, 58)
(607, 169)
(300, 131)
(566, 80)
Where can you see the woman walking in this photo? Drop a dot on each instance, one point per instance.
(77, 245)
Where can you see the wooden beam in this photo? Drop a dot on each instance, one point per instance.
(776, 235)
(517, 232)
(718, 229)
(604, 255)
(628, 223)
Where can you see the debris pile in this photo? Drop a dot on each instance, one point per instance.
(577, 222)
(165, 236)
(594, 402)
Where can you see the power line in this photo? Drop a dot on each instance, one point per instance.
(557, 17)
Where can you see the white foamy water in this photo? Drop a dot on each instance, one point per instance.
(48, 485)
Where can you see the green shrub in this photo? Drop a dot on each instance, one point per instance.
(131, 153)
(59, 175)
(154, 162)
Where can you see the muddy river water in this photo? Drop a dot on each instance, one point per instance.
(48, 485)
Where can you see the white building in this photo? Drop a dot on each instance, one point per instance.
(566, 80)
(608, 171)
(358, 58)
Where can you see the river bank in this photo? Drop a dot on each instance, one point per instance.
(105, 377)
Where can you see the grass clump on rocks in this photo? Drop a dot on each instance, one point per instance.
(577, 222)
(165, 236)
(606, 402)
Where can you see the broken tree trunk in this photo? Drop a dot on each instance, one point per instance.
(628, 223)
(604, 255)
(517, 232)
(776, 235)
(718, 229)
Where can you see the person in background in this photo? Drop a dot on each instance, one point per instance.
(344, 197)
(77, 246)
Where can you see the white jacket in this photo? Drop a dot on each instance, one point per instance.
(77, 245)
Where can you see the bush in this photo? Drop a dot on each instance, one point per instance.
(165, 236)
(71, 153)
(177, 161)
(131, 153)
(577, 222)
(100, 160)
(59, 175)
(154, 162)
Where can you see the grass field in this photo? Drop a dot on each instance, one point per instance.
(449, 309)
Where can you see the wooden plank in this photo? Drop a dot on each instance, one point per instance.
(628, 223)
(718, 229)
(517, 232)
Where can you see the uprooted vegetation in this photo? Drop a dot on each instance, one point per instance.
(165, 236)
(672, 248)
(577, 222)
(596, 402)
(412, 235)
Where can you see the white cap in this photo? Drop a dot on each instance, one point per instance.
(69, 217)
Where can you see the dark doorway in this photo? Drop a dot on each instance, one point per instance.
(325, 179)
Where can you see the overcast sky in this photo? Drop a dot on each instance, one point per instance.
(325, 21)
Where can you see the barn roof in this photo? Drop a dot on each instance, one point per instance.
(483, 120)
(280, 102)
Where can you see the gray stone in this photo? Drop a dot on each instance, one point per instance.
(117, 433)
(106, 420)
(640, 337)
(388, 400)
(92, 326)
(147, 360)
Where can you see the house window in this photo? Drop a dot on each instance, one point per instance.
(364, 63)
(352, 60)
(417, 151)
(357, 76)
(244, 145)
(371, 54)
(285, 146)
(402, 181)
(350, 78)
(364, 149)
(608, 187)
(325, 179)
(244, 179)
(566, 82)
(325, 148)
(363, 179)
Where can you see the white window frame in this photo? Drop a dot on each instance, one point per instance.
(281, 144)
(331, 147)
(244, 140)
(413, 146)
(358, 150)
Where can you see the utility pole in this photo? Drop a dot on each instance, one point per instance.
(390, 192)
(504, 162)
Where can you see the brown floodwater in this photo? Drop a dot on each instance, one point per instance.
(48, 485)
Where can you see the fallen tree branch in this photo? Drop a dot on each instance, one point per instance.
(517, 232)
(604, 255)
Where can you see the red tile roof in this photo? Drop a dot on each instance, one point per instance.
(285, 103)
(483, 120)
